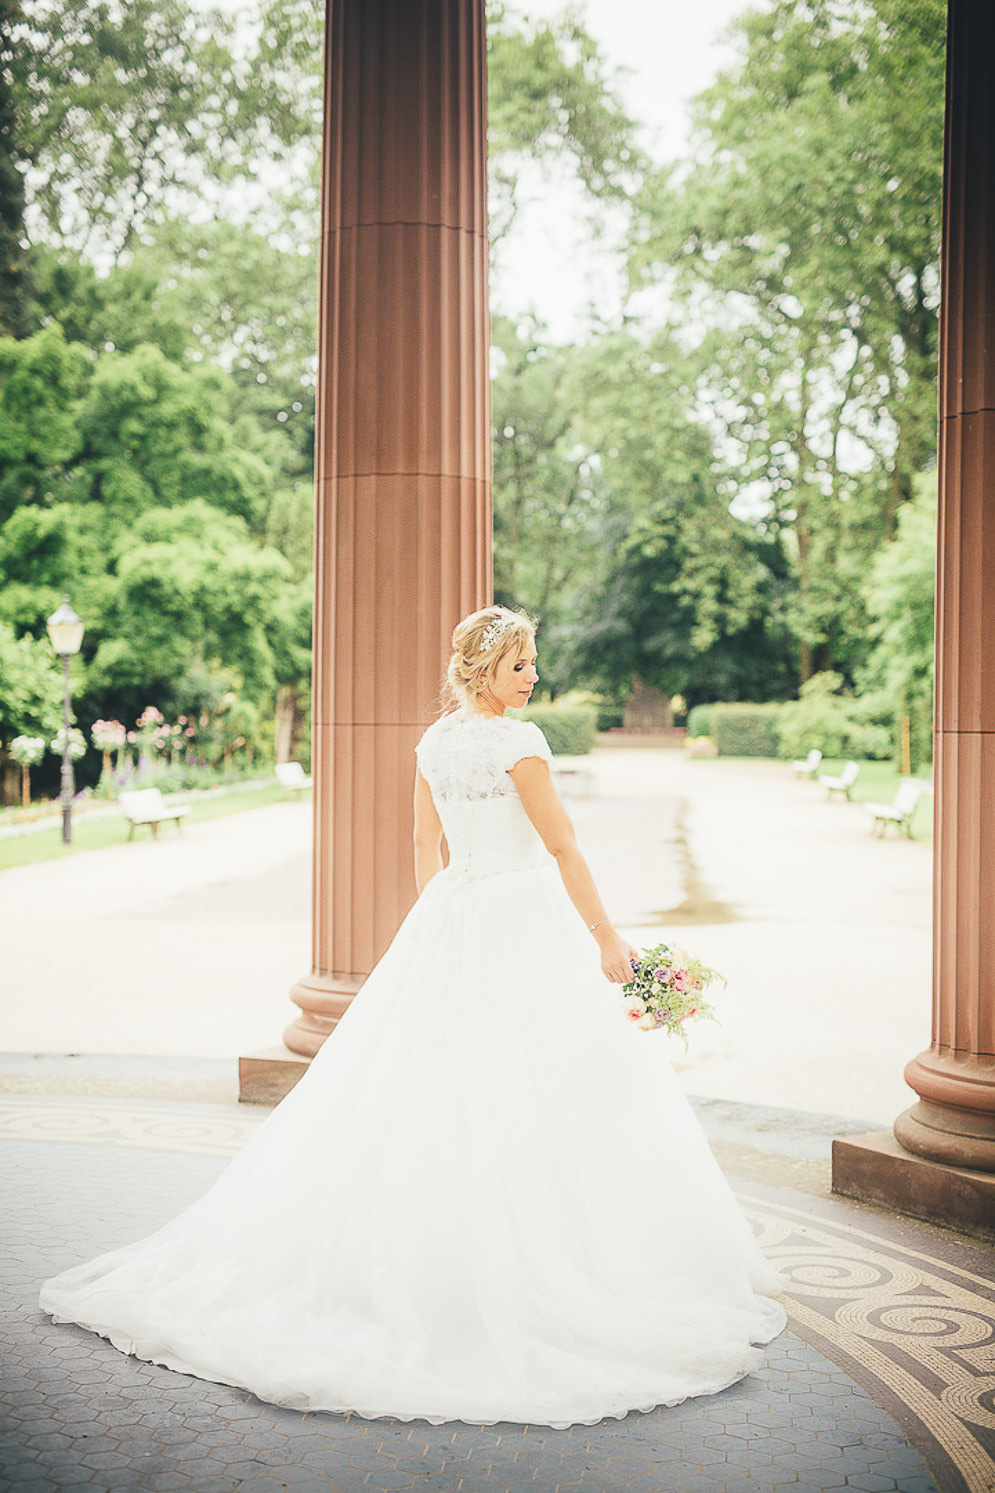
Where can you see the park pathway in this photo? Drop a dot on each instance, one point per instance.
(186, 947)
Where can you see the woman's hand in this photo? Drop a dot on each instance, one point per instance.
(617, 955)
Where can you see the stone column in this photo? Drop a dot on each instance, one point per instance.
(403, 517)
(940, 1162)
(954, 1120)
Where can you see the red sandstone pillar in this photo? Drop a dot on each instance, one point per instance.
(402, 546)
(954, 1121)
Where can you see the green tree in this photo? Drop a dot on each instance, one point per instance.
(126, 112)
(128, 306)
(900, 601)
(158, 434)
(686, 595)
(547, 505)
(46, 552)
(15, 287)
(248, 303)
(550, 100)
(30, 687)
(804, 239)
(192, 588)
(41, 381)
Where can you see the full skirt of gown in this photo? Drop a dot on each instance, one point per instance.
(487, 1199)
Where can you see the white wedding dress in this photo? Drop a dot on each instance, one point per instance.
(486, 1200)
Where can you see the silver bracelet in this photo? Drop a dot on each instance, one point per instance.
(591, 926)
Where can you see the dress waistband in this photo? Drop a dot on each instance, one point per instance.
(465, 870)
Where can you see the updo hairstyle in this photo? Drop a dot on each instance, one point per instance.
(479, 642)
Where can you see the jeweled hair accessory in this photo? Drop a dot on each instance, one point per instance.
(495, 630)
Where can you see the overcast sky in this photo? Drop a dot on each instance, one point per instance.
(669, 50)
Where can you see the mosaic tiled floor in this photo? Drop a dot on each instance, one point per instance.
(885, 1381)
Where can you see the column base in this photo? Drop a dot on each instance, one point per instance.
(876, 1169)
(324, 1000)
(953, 1137)
(267, 1077)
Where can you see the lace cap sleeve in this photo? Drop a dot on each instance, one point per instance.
(525, 739)
(426, 750)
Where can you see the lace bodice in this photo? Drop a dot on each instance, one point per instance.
(466, 760)
(468, 756)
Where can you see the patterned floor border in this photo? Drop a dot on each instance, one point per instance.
(158, 1125)
(916, 1331)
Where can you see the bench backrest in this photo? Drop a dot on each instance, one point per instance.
(908, 794)
(142, 801)
(813, 759)
(290, 773)
(850, 773)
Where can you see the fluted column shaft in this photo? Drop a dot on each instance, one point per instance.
(402, 544)
(955, 1120)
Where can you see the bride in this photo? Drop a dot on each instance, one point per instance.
(487, 1199)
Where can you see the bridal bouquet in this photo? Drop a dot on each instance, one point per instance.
(666, 990)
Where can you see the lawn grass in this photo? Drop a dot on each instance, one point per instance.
(877, 783)
(112, 829)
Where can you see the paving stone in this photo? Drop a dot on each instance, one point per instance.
(275, 1456)
(238, 1411)
(434, 1483)
(331, 1457)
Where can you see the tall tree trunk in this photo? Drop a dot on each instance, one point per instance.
(286, 715)
(804, 661)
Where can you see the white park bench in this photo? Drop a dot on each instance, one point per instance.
(147, 806)
(810, 766)
(901, 808)
(292, 775)
(842, 784)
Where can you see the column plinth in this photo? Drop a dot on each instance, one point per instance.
(403, 463)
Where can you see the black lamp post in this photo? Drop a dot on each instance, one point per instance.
(66, 631)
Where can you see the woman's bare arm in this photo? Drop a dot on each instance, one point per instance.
(428, 834)
(541, 802)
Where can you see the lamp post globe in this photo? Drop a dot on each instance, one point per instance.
(66, 630)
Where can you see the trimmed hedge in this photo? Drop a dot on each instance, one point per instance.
(610, 715)
(571, 730)
(746, 730)
(699, 722)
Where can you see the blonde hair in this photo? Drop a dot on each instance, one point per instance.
(479, 642)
